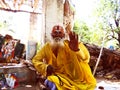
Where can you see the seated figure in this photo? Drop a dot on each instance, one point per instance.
(64, 63)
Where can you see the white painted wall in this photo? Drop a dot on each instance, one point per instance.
(53, 15)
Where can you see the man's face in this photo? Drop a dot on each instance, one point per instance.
(57, 33)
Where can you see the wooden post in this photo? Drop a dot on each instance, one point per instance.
(98, 60)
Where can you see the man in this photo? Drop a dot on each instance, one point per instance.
(64, 63)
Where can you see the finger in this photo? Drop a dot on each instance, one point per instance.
(71, 35)
(76, 36)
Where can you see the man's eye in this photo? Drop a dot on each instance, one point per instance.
(56, 32)
(60, 32)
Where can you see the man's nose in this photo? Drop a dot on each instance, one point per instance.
(58, 32)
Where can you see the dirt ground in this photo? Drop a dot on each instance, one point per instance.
(101, 83)
(107, 84)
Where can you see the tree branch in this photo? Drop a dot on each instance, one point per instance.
(18, 11)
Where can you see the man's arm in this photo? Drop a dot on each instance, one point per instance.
(83, 53)
(38, 62)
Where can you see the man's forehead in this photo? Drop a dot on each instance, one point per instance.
(57, 27)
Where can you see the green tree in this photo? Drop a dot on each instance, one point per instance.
(106, 18)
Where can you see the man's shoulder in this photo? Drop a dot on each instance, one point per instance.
(66, 41)
(47, 44)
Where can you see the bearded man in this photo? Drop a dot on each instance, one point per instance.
(64, 63)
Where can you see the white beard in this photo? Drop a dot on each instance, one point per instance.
(57, 42)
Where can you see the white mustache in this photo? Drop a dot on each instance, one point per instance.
(57, 38)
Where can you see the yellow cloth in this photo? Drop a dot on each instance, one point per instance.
(71, 67)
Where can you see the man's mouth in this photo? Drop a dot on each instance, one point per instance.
(57, 39)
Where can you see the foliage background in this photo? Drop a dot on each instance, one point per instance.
(102, 24)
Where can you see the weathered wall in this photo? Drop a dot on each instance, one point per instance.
(53, 15)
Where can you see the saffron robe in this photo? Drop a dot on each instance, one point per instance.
(72, 71)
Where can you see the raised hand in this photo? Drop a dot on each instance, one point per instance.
(73, 43)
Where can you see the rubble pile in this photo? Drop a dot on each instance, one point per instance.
(109, 65)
